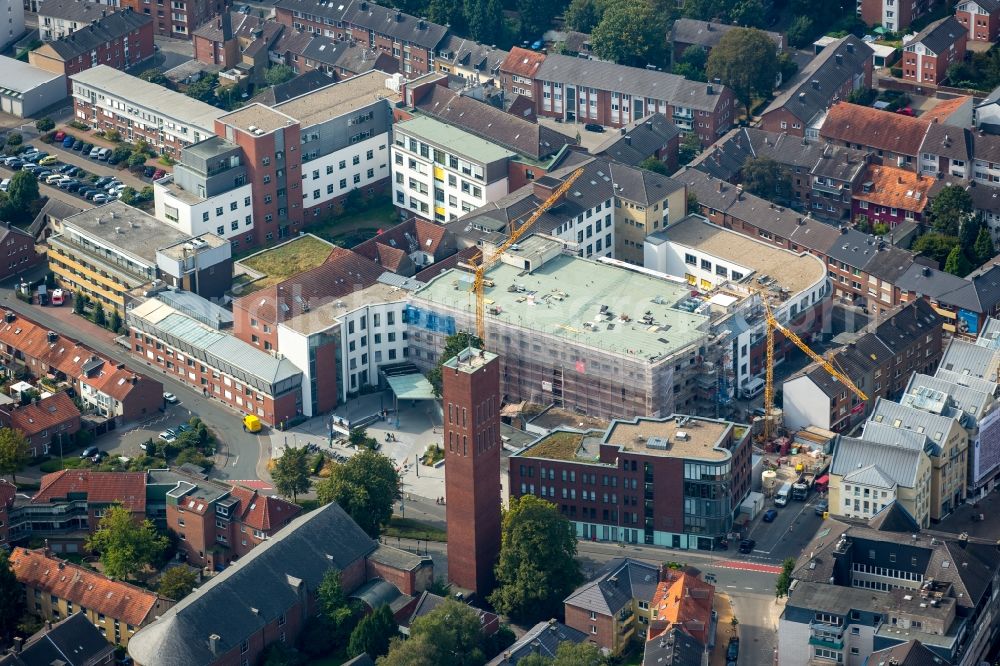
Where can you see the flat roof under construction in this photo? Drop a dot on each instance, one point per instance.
(607, 307)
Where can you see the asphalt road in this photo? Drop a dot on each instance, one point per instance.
(242, 456)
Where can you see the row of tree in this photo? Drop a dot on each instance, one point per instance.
(956, 238)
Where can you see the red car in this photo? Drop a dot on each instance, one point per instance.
(60, 135)
(906, 111)
(159, 173)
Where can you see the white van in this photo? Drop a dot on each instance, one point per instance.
(752, 388)
(783, 495)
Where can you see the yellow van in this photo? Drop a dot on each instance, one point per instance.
(251, 423)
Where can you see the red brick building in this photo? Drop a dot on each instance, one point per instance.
(410, 40)
(981, 18)
(20, 249)
(119, 40)
(51, 421)
(471, 396)
(8, 491)
(177, 18)
(67, 524)
(928, 56)
(892, 15)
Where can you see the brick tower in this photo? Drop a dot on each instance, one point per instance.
(471, 392)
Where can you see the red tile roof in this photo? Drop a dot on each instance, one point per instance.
(390, 247)
(85, 588)
(522, 62)
(261, 512)
(883, 130)
(895, 188)
(129, 488)
(943, 109)
(682, 600)
(45, 415)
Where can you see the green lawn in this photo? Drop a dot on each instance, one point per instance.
(349, 230)
(291, 258)
(407, 528)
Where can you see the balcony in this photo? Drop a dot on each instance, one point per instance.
(828, 643)
(836, 190)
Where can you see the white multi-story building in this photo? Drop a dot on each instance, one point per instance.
(13, 10)
(441, 172)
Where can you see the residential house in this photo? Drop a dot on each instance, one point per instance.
(237, 40)
(469, 60)
(928, 55)
(891, 15)
(986, 114)
(518, 71)
(58, 18)
(720, 446)
(489, 623)
(73, 641)
(120, 40)
(343, 59)
(542, 639)
(21, 253)
(683, 601)
(592, 91)
(409, 247)
(965, 303)
(613, 608)
(654, 136)
(891, 196)
(980, 18)
(950, 455)
(986, 206)
(863, 588)
(686, 33)
(675, 647)
(141, 111)
(180, 19)
(270, 594)
(55, 589)
(892, 138)
(911, 652)
(841, 68)
(50, 422)
(946, 151)
(412, 41)
(867, 476)
(8, 494)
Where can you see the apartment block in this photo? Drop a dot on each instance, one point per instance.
(597, 479)
(412, 41)
(469, 60)
(58, 18)
(981, 18)
(108, 99)
(927, 56)
(177, 18)
(339, 60)
(119, 40)
(48, 423)
(892, 15)
(55, 589)
(687, 32)
(19, 246)
(891, 196)
(14, 11)
(220, 365)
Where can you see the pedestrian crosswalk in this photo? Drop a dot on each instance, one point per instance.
(747, 566)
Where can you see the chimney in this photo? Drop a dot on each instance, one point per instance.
(18, 644)
(710, 89)
(213, 643)
(850, 47)
(628, 141)
(720, 186)
(839, 58)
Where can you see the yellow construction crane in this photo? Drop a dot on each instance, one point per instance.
(772, 325)
(479, 283)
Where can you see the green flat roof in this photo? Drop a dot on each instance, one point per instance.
(564, 297)
(451, 138)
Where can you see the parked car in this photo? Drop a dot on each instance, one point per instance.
(68, 142)
(59, 136)
(594, 127)
(72, 186)
(114, 159)
(54, 178)
(66, 168)
(101, 198)
(103, 154)
(87, 147)
(170, 397)
(4, 184)
(770, 515)
(537, 45)
(148, 171)
(747, 545)
(822, 507)
(15, 165)
(91, 194)
(159, 173)
(90, 452)
(733, 649)
(77, 145)
(245, 9)
(94, 152)
(42, 173)
(102, 181)
(48, 161)
(58, 297)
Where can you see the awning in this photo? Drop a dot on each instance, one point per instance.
(411, 387)
(823, 480)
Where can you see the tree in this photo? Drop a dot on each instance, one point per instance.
(984, 248)
(136, 159)
(691, 64)
(450, 634)
(366, 486)
(280, 654)
(748, 13)
(115, 321)
(11, 598)
(968, 233)
(935, 246)
(630, 33)
(359, 439)
(766, 178)
(79, 302)
(373, 634)
(177, 582)
(689, 148)
(654, 165)
(453, 344)
(156, 76)
(800, 32)
(485, 20)
(537, 566)
(536, 16)
(784, 578)
(14, 452)
(44, 124)
(447, 12)
(276, 74)
(584, 15)
(23, 190)
(128, 195)
(203, 89)
(957, 263)
(126, 545)
(291, 472)
(949, 208)
(338, 613)
(99, 317)
(14, 139)
(568, 654)
(745, 60)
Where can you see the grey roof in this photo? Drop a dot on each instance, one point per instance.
(195, 306)
(641, 139)
(20, 77)
(894, 518)
(989, 5)
(377, 593)
(300, 85)
(852, 362)
(906, 324)
(972, 401)
(969, 359)
(870, 254)
(674, 647)
(939, 35)
(910, 653)
(74, 641)
(81, 11)
(977, 384)
(871, 475)
(106, 29)
(382, 20)
(630, 80)
(126, 228)
(351, 56)
(543, 638)
(619, 582)
(254, 591)
(985, 198)
(403, 560)
(802, 99)
(896, 464)
(986, 147)
(708, 33)
(473, 55)
(896, 415)
(990, 335)
(948, 141)
(936, 284)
